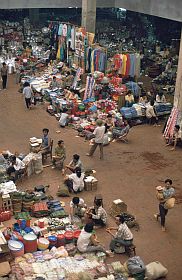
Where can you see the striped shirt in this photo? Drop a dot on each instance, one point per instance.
(124, 232)
(100, 213)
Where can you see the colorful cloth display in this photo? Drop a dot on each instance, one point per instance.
(171, 123)
(127, 64)
(96, 60)
(89, 90)
(79, 72)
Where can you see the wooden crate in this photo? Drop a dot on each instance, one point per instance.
(118, 207)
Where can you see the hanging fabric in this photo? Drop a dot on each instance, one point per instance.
(89, 90)
(127, 64)
(79, 72)
(169, 130)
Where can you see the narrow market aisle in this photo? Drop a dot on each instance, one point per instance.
(129, 171)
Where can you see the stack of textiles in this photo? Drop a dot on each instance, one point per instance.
(128, 113)
(163, 108)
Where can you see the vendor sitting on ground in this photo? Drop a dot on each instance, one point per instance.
(74, 163)
(120, 132)
(45, 146)
(109, 123)
(63, 121)
(54, 84)
(160, 98)
(98, 214)
(77, 207)
(123, 236)
(75, 181)
(87, 241)
(60, 156)
(129, 99)
(175, 139)
(17, 167)
(69, 79)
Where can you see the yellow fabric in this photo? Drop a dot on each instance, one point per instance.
(123, 71)
(58, 52)
(129, 98)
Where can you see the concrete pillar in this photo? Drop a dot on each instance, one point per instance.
(89, 15)
(178, 88)
(34, 16)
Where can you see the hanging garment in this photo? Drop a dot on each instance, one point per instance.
(69, 32)
(89, 90)
(65, 29)
(123, 71)
(138, 65)
(169, 130)
(60, 29)
(73, 33)
(127, 65)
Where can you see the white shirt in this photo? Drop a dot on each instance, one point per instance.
(99, 134)
(19, 164)
(150, 112)
(63, 119)
(81, 203)
(160, 99)
(27, 91)
(83, 241)
(78, 183)
(124, 232)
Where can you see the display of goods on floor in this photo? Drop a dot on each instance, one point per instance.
(16, 199)
(40, 209)
(55, 265)
(22, 216)
(130, 220)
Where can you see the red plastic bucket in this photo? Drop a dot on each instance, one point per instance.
(68, 236)
(60, 240)
(16, 248)
(77, 234)
(30, 243)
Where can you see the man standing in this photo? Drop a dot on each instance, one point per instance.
(60, 155)
(123, 236)
(27, 92)
(163, 194)
(99, 139)
(4, 75)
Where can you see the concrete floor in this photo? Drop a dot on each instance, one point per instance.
(129, 171)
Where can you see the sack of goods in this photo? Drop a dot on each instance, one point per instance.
(155, 270)
(63, 191)
(169, 203)
(135, 265)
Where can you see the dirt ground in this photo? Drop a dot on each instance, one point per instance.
(129, 171)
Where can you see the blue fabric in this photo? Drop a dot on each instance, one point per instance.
(60, 30)
(45, 141)
(133, 87)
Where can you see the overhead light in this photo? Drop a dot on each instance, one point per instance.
(121, 9)
(70, 7)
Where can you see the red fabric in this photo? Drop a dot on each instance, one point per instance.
(117, 61)
(127, 65)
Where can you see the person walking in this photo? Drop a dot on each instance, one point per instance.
(164, 195)
(17, 69)
(98, 139)
(27, 92)
(4, 75)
